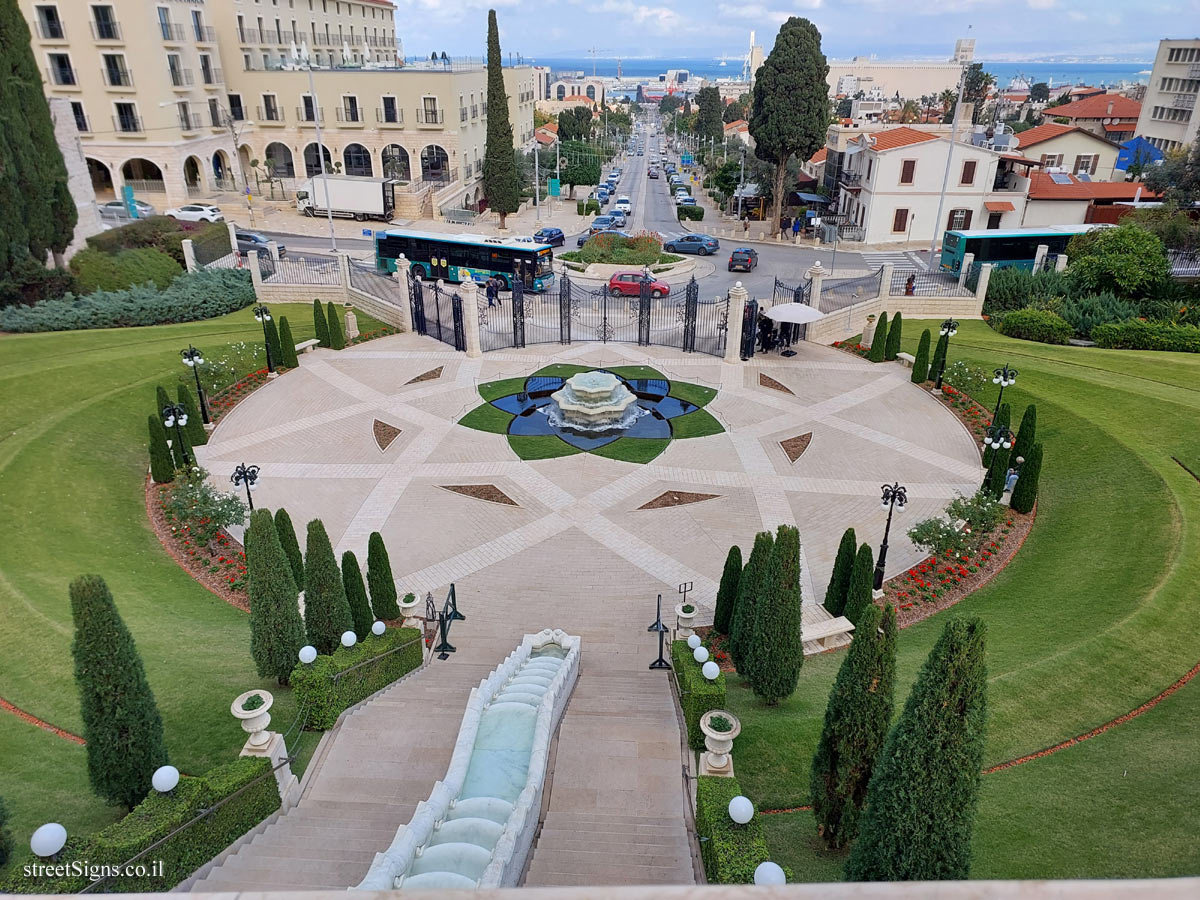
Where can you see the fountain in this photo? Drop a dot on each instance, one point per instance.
(477, 827)
(593, 401)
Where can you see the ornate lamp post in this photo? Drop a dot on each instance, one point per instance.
(894, 495)
(175, 416)
(193, 359)
(949, 329)
(263, 315)
(1003, 377)
(247, 475)
(998, 436)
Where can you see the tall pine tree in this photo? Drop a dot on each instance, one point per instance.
(121, 724)
(1025, 492)
(500, 185)
(356, 596)
(790, 111)
(194, 429)
(862, 580)
(839, 581)
(856, 723)
(162, 466)
(319, 324)
(380, 580)
(879, 339)
(708, 115)
(337, 338)
(922, 797)
(727, 591)
(750, 588)
(920, 372)
(273, 345)
(326, 612)
(290, 545)
(777, 645)
(1026, 434)
(276, 629)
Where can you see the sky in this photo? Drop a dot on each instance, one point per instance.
(1013, 30)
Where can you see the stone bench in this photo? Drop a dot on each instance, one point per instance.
(305, 346)
(906, 359)
(823, 631)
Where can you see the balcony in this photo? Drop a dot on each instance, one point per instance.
(248, 35)
(61, 76)
(270, 115)
(474, 110)
(310, 114)
(172, 34)
(205, 34)
(189, 122)
(430, 118)
(181, 78)
(106, 31)
(462, 114)
(128, 124)
(117, 78)
(350, 115)
(390, 117)
(82, 123)
(478, 166)
(213, 77)
(50, 31)
(851, 180)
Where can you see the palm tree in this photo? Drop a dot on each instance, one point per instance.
(947, 98)
(909, 112)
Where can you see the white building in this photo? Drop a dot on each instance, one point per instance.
(1169, 116)
(908, 78)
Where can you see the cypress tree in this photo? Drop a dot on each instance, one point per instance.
(7, 844)
(287, 345)
(892, 350)
(326, 612)
(922, 797)
(920, 372)
(196, 435)
(500, 180)
(121, 724)
(727, 592)
(996, 474)
(939, 356)
(856, 724)
(290, 545)
(879, 339)
(777, 648)
(839, 580)
(162, 466)
(322, 328)
(1027, 433)
(273, 341)
(337, 339)
(745, 615)
(1003, 415)
(862, 581)
(162, 398)
(356, 596)
(1026, 489)
(380, 580)
(276, 629)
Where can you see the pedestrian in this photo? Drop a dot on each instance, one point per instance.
(490, 287)
(796, 228)
(785, 224)
(1010, 480)
(745, 225)
(910, 286)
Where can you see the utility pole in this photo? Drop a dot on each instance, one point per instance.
(537, 188)
(741, 183)
(962, 84)
(312, 90)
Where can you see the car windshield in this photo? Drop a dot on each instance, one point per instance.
(545, 262)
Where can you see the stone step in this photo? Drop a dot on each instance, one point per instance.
(571, 838)
(334, 820)
(275, 839)
(283, 848)
(614, 874)
(602, 860)
(364, 832)
(358, 806)
(570, 818)
(324, 872)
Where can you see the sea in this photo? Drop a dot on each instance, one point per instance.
(1054, 72)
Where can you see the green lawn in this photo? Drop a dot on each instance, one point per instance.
(486, 417)
(72, 460)
(540, 446)
(1091, 619)
(633, 450)
(698, 423)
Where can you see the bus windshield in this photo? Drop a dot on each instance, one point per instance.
(545, 262)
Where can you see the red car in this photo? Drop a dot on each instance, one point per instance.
(652, 173)
(629, 284)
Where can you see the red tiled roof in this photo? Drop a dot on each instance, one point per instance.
(551, 127)
(1039, 133)
(1043, 187)
(578, 97)
(899, 137)
(736, 124)
(1097, 108)
(1119, 126)
(543, 138)
(819, 156)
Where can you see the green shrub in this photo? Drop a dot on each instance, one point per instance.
(272, 340)
(1025, 491)
(7, 844)
(96, 271)
(592, 208)
(750, 589)
(879, 339)
(326, 612)
(1012, 288)
(379, 579)
(27, 282)
(981, 512)
(727, 591)
(1138, 335)
(161, 814)
(160, 233)
(1085, 313)
(398, 651)
(777, 650)
(862, 582)
(938, 537)
(697, 695)
(839, 580)
(939, 357)
(690, 213)
(320, 326)
(290, 545)
(920, 370)
(194, 296)
(731, 852)
(276, 629)
(197, 436)
(356, 596)
(1127, 260)
(333, 321)
(162, 466)
(580, 208)
(638, 250)
(1041, 325)
(892, 349)
(287, 345)
(1026, 433)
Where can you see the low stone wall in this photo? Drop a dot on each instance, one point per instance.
(845, 323)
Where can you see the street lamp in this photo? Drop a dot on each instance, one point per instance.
(998, 436)
(1003, 377)
(301, 58)
(194, 359)
(263, 315)
(894, 495)
(175, 416)
(949, 330)
(247, 475)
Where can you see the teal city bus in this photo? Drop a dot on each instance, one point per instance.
(1006, 247)
(466, 257)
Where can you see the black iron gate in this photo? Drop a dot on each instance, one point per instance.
(437, 312)
(792, 293)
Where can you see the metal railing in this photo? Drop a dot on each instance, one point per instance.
(147, 185)
(390, 116)
(205, 33)
(298, 271)
(369, 280)
(106, 31)
(915, 283)
(182, 77)
(311, 114)
(50, 31)
(462, 114)
(63, 76)
(839, 293)
(430, 116)
(349, 114)
(127, 124)
(171, 32)
(213, 76)
(117, 77)
(474, 110)
(270, 114)
(1184, 263)
(247, 35)
(189, 121)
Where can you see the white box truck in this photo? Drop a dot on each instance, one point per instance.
(351, 196)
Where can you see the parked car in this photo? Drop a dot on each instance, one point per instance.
(251, 242)
(584, 238)
(743, 259)
(552, 236)
(618, 218)
(623, 205)
(652, 173)
(196, 212)
(629, 284)
(685, 200)
(600, 195)
(115, 209)
(600, 223)
(700, 244)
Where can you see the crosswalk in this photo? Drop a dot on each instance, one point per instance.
(901, 259)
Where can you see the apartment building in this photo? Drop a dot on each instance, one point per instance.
(177, 99)
(1169, 116)
(1109, 116)
(1072, 148)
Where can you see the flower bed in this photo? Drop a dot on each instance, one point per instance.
(856, 348)
(975, 417)
(383, 331)
(223, 401)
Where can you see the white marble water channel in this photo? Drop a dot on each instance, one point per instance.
(477, 826)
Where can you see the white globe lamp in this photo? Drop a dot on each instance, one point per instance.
(741, 810)
(769, 873)
(378, 628)
(308, 654)
(165, 778)
(700, 654)
(349, 638)
(710, 670)
(694, 641)
(48, 840)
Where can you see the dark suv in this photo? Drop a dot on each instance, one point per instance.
(552, 236)
(743, 259)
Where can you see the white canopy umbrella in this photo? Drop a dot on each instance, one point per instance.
(796, 313)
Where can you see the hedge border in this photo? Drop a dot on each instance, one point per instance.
(730, 852)
(697, 695)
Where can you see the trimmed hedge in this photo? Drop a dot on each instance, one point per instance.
(1138, 335)
(97, 271)
(691, 213)
(1040, 325)
(697, 695)
(198, 295)
(325, 699)
(156, 817)
(730, 852)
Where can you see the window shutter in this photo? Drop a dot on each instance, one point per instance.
(966, 220)
(968, 172)
(899, 220)
(907, 170)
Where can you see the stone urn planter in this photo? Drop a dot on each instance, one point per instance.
(408, 610)
(685, 613)
(868, 332)
(717, 743)
(254, 721)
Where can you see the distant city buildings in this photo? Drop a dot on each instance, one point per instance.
(1168, 115)
(908, 78)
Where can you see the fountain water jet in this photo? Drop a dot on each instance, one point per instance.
(593, 401)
